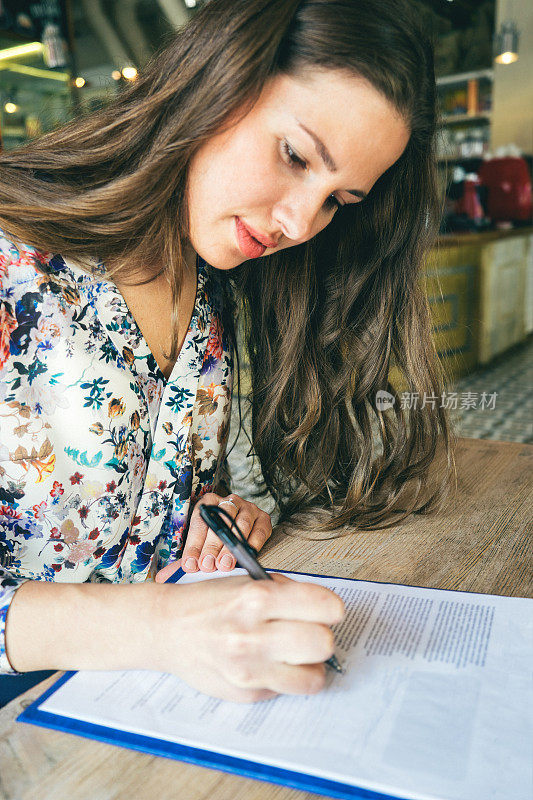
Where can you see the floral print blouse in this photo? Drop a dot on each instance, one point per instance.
(101, 457)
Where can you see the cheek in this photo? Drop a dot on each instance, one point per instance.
(250, 168)
(253, 181)
(234, 186)
(239, 174)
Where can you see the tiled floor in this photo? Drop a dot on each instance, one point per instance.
(510, 376)
(506, 413)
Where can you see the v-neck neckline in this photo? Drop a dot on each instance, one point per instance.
(192, 321)
(97, 273)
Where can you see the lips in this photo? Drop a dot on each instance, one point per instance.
(251, 243)
(260, 237)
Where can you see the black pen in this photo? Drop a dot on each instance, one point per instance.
(243, 552)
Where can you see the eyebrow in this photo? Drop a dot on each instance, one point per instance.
(325, 155)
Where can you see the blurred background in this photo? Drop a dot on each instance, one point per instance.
(60, 58)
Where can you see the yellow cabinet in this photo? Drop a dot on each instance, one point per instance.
(503, 291)
(451, 285)
(480, 291)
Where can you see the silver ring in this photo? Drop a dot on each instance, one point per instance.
(231, 502)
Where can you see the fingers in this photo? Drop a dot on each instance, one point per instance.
(199, 535)
(203, 549)
(282, 657)
(299, 642)
(283, 599)
(261, 530)
(245, 685)
(305, 679)
(281, 678)
(254, 524)
(225, 560)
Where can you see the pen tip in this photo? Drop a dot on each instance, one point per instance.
(334, 663)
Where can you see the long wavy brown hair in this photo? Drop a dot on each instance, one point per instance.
(325, 321)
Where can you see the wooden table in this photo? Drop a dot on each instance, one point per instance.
(480, 542)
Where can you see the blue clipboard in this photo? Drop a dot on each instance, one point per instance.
(192, 755)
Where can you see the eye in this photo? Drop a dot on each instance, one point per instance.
(292, 159)
(333, 202)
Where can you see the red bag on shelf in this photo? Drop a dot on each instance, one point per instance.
(509, 189)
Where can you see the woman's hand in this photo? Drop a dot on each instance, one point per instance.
(203, 549)
(240, 639)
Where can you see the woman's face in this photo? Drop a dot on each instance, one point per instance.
(276, 178)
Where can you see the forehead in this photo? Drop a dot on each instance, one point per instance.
(360, 128)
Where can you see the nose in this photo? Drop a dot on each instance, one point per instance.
(299, 215)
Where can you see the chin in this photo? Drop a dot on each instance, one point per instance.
(219, 260)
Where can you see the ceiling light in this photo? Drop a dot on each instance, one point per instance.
(130, 73)
(507, 58)
(506, 43)
(36, 72)
(21, 50)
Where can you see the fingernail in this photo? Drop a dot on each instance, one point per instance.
(208, 562)
(190, 563)
(226, 561)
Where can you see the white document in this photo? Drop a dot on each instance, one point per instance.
(436, 701)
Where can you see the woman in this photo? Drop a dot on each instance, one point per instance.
(288, 145)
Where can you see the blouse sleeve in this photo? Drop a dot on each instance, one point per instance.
(9, 583)
(8, 586)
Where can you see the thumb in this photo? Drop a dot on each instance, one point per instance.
(168, 570)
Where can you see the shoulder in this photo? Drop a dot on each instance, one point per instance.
(24, 268)
(18, 280)
(18, 262)
(33, 284)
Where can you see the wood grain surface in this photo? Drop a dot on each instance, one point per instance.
(480, 542)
